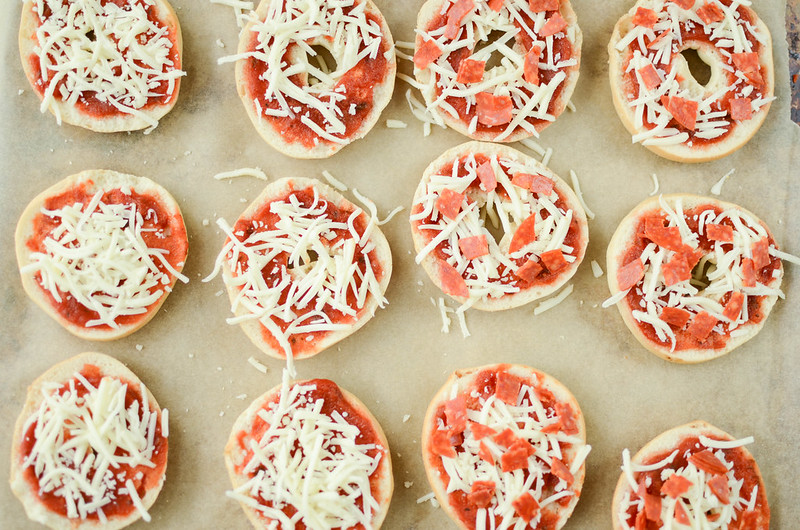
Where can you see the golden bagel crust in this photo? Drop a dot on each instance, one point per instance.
(93, 181)
(63, 372)
(73, 114)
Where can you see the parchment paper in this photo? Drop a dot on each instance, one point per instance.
(196, 364)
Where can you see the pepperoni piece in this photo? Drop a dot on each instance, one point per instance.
(426, 54)
(710, 13)
(505, 438)
(560, 470)
(537, 6)
(701, 325)
(760, 251)
(485, 454)
(449, 203)
(553, 25)
(529, 271)
(649, 76)
(734, 306)
(668, 237)
(522, 180)
(719, 487)
(553, 260)
(481, 493)
(526, 507)
(455, 15)
(706, 461)
(531, 66)
(524, 235)
(685, 4)
(542, 185)
(452, 282)
(652, 507)
(470, 71)
(655, 42)
(522, 445)
(440, 444)
(513, 459)
(507, 388)
(473, 247)
(553, 427)
(486, 176)
(480, 431)
(749, 65)
(748, 273)
(645, 17)
(567, 418)
(493, 110)
(496, 5)
(741, 109)
(675, 316)
(691, 255)
(722, 233)
(455, 411)
(681, 517)
(630, 274)
(675, 486)
(641, 521)
(683, 110)
(676, 270)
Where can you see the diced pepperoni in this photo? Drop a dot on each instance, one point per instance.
(676, 270)
(455, 15)
(486, 176)
(560, 470)
(553, 25)
(428, 52)
(481, 493)
(675, 486)
(529, 271)
(684, 111)
(505, 438)
(706, 461)
(523, 445)
(494, 110)
(675, 316)
(449, 203)
(630, 274)
(749, 65)
(526, 507)
(485, 454)
(470, 71)
(701, 325)
(681, 517)
(473, 247)
(553, 427)
(652, 223)
(748, 273)
(480, 431)
(734, 306)
(641, 521)
(522, 180)
(507, 388)
(554, 260)
(685, 4)
(668, 237)
(452, 282)
(649, 76)
(542, 185)
(531, 66)
(710, 13)
(567, 417)
(455, 411)
(652, 507)
(440, 444)
(514, 459)
(645, 17)
(689, 254)
(663, 35)
(524, 235)
(760, 250)
(722, 233)
(537, 6)
(741, 109)
(719, 487)
(496, 5)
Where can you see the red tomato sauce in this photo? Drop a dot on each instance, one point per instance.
(88, 103)
(165, 223)
(333, 401)
(683, 339)
(121, 505)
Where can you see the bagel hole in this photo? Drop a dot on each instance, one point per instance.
(496, 57)
(90, 35)
(496, 231)
(700, 273)
(700, 70)
(304, 261)
(323, 60)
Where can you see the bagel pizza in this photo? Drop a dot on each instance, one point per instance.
(103, 65)
(304, 268)
(537, 45)
(504, 446)
(309, 454)
(692, 476)
(475, 189)
(660, 101)
(302, 104)
(100, 251)
(90, 446)
(693, 277)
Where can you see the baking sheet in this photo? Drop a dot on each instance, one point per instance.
(196, 365)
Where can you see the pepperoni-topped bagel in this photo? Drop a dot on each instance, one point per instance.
(504, 446)
(304, 268)
(309, 454)
(90, 446)
(103, 65)
(658, 98)
(477, 188)
(536, 45)
(300, 104)
(692, 476)
(100, 251)
(693, 277)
